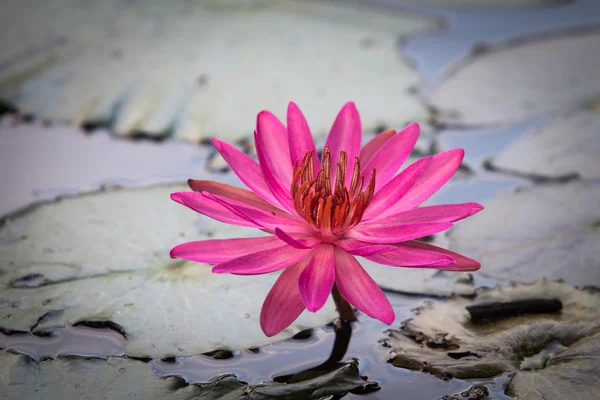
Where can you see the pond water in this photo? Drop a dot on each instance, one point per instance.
(49, 167)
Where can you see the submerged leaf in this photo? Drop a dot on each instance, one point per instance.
(554, 355)
(124, 378)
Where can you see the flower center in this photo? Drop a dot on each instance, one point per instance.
(331, 210)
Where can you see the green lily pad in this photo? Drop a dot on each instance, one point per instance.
(523, 79)
(123, 378)
(554, 355)
(546, 231)
(565, 147)
(105, 257)
(486, 4)
(201, 69)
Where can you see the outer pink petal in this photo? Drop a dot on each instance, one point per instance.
(272, 137)
(412, 257)
(358, 248)
(461, 263)
(232, 192)
(262, 262)
(280, 190)
(207, 207)
(247, 170)
(221, 250)
(267, 221)
(391, 193)
(345, 135)
(316, 281)
(373, 145)
(380, 232)
(438, 172)
(390, 157)
(283, 303)
(439, 213)
(360, 289)
(294, 242)
(299, 136)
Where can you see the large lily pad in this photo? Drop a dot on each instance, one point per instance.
(105, 257)
(123, 378)
(521, 80)
(52, 161)
(546, 231)
(204, 68)
(554, 355)
(567, 146)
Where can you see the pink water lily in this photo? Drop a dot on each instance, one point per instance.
(323, 212)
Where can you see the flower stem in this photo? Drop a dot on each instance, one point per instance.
(343, 307)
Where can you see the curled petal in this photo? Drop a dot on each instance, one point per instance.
(262, 262)
(247, 170)
(233, 193)
(461, 263)
(373, 145)
(345, 135)
(316, 281)
(390, 157)
(299, 136)
(293, 242)
(283, 303)
(380, 232)
(360, 289)
(412, 257)
(220, 250)
(358, 248)
(207, 207)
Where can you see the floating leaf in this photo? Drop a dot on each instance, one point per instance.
(183, 68)
(526, 78)
(124, 378)
(565, 147)
(546, 231)
(485, 4)
(105, 257)
(554, 355)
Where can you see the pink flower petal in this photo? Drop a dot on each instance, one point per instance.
(461, 263)
(345, 135)
(207, 207)
(412, 257)
(262, 262)
(360, 290)
(247, 170)
(393, 191)
(293, 242)
(316, 281)
(280, 190)
(380, 232)
(221, 250)
(272, 138)
(438, 172)
(440, 213)
(390, 157)
(299, 136)
(267, 221)
(283, 303)
(232, 192)
(358, 248)
(373, 145)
